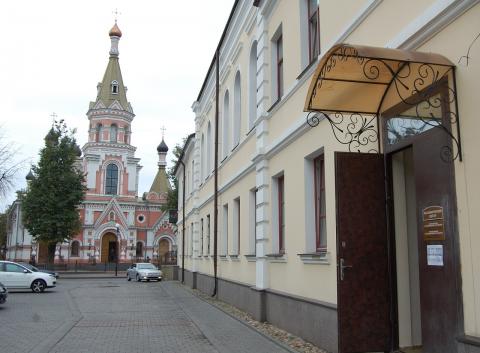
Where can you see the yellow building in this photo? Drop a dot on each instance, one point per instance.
(345, 173)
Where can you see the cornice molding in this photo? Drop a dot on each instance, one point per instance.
(435, 18)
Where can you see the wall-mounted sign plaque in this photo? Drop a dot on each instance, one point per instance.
(435, 255)
(433, 223)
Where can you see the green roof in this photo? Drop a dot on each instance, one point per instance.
(160, 183)
(105, 94)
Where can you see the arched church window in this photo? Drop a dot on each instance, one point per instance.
(139, 249)
(98, 133)
(114, 86)
(113, 133)
(126, 135)
(75, 248)
(111, 179)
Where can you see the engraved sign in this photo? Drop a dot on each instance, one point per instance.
(433, 223)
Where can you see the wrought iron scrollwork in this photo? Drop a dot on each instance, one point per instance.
(355, 130)
(413, 83)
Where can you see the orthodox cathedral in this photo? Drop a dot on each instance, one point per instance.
(117, 224)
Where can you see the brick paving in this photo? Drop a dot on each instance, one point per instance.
(114, 315)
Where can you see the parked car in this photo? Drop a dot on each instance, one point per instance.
(36, 269)
(144, 271)
(16, 276)
(3, 293)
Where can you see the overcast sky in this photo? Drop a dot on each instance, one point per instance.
(54, 52)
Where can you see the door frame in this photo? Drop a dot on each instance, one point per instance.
(440, 87)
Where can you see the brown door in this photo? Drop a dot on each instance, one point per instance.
(439, 279)
(42, 253)
(435, 211)
(109, 248)
(362, 254)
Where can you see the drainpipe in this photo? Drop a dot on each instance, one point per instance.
(215, 172)
(183, 222)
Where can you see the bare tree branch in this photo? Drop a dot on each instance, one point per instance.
(9, 165)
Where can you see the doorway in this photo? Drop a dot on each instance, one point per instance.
(406, 252)
(397, 240)
(109, 248)
(426, 299)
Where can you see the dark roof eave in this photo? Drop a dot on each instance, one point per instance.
(218, 48)
(190, 137)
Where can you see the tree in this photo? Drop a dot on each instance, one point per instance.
(9, 167)
(172, 195)
(56, 189)
(3, 230)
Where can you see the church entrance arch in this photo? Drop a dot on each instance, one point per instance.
(109, 248)
(163, 247)
(164, 253)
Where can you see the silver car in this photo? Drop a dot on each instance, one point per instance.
(144, 271)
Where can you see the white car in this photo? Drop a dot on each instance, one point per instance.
(144, 271)
(16, 276)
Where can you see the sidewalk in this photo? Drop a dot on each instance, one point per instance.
(91, 274)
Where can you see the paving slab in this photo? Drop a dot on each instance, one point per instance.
(113, 315)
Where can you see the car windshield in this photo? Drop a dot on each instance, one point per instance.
(146, 267)
(30, 267)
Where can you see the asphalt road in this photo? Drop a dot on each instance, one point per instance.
(113, 315)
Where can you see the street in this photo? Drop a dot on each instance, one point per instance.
(113, 315)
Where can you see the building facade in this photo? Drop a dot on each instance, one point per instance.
(117, 224)
(344, 209)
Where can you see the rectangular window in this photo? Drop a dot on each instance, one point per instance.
(193, 177)
(225, 230)
(320, 214)
(208, 234)
(236, 226)
(253, 222)
(191, 239)
(279, 66)
(313, 30)
(201, 236)
(281, 214)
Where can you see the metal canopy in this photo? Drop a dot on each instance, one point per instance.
(353, 85)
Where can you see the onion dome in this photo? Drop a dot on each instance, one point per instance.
(162, 147)
(78, 151)
(115, 31)
(29, 176)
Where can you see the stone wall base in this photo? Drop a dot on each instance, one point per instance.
(312, 320)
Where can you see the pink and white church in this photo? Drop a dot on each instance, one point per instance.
(117, 224)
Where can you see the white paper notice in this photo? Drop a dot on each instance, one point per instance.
(435, 255)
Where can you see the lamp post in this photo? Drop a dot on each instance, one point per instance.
(117, 227)
(183, 220)
(4, 251)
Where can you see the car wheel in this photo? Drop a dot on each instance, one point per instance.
(160, 279)
(128, 277)
(148, 280)
(38, 286)
(138, 279)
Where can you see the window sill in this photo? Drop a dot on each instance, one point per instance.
(309, 66)
(234, 257)
(250, 131)
(319, 258)
(274, 104)
(277, 257)
(223, 257)
(251, 257)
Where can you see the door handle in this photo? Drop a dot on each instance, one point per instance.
(342, 268)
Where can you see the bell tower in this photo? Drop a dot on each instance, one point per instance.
(109, 157)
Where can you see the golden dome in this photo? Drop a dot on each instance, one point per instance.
(115, 31)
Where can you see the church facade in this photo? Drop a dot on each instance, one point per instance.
(117, 224)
